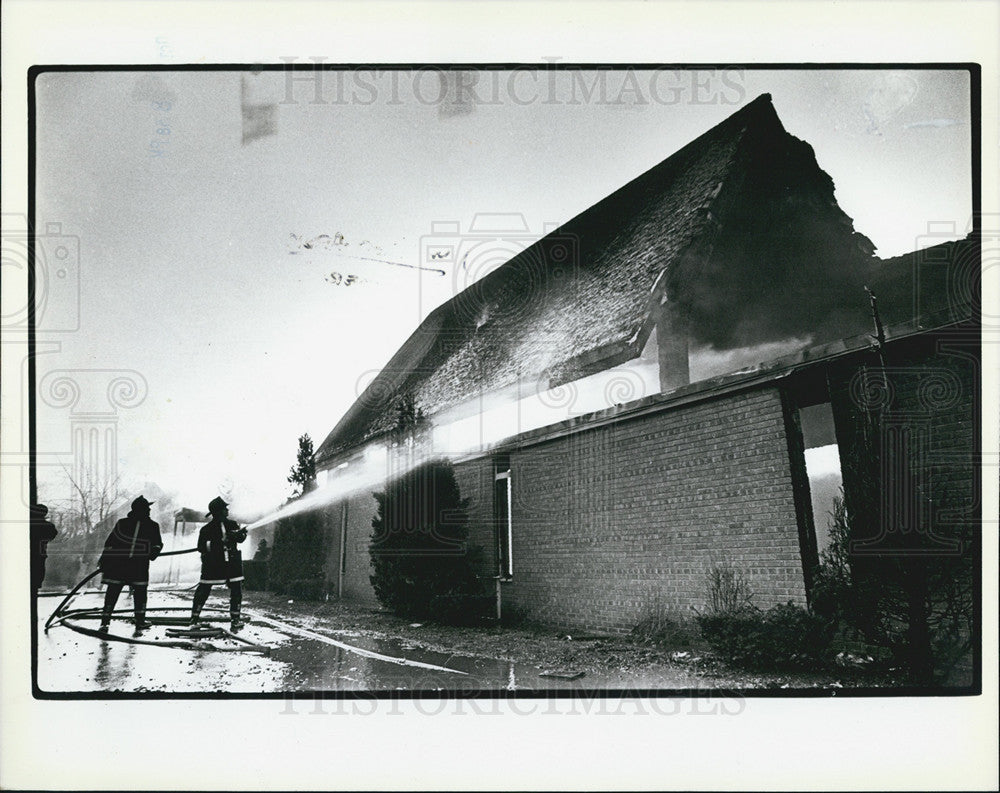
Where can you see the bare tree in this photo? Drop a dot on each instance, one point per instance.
(92, 500)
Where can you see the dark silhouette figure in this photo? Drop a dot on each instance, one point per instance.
(221, 561)
(42, 533)
(133, 543)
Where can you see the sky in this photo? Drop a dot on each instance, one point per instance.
(194, 273)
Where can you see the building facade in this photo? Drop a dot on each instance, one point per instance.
(674, 382)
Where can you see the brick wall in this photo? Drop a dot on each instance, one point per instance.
(475, 482)
(614, 521)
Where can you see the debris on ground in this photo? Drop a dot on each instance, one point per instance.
(850, 659)
(605, 659)
(562, 675)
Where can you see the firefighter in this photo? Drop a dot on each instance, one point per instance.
(221, 561)
(133, 543)
(42, 532)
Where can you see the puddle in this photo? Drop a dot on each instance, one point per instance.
(302, 657)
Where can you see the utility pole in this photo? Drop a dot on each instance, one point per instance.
(879, 337)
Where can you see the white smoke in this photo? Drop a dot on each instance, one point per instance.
(479, 424)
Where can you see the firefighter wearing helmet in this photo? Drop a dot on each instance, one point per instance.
(221, 561)
(133, 543)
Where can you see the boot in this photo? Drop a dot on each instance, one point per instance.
(200, 598)
(110, 599)
(139, 598)
(235, 604)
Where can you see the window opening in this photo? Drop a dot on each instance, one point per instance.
(822, 456)
(502, 517)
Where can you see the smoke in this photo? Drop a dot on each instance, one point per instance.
(708, 362)
(783, 260)
(478, 425)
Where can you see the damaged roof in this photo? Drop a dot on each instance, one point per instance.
(579, 299)
(943, 278)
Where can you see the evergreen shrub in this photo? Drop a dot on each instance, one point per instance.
(255, 575)
(421, 566)
(783, 636)
(298, 555)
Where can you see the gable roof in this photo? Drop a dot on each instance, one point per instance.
(579, 299)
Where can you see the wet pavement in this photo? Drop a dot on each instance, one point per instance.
(302, 654)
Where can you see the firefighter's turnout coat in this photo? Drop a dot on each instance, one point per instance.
(133, 543)
(221, 560)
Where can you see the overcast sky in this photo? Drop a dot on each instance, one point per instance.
(190, 274)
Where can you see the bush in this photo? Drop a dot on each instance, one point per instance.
(463, 609)
(913, 565)
(306, 589)
(928, 631)
(65, 569)
(421, 566)
(255, 575)
(831, 593)
(511, 615)
(659, 628)
(783, 636)
(298, 553)
(728, 590)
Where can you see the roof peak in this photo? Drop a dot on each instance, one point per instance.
(680, 188)
(763, 103)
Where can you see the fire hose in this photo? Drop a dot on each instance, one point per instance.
(97, 572)
(69, 617)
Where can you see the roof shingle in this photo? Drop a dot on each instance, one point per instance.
(579, 298)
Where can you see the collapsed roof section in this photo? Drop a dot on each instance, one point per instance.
(739, 231)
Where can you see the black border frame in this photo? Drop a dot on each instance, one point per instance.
(975, 112)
